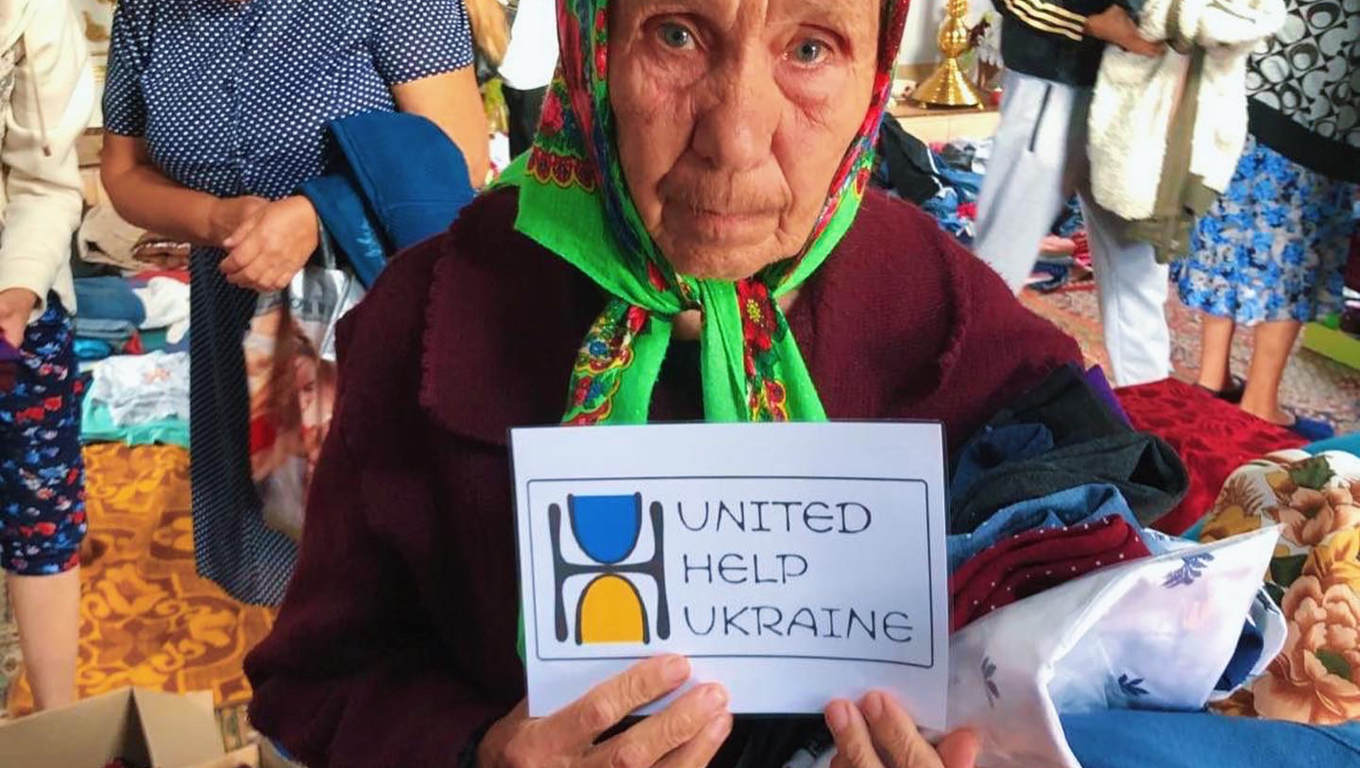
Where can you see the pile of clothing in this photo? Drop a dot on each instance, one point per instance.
(132, 333)
(945, 180)
(1064, 602)
(146, 311)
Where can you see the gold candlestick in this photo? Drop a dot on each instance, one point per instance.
(948, 86)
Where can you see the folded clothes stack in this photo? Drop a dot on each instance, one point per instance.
(138, 399)
(132, 336)
(121, 311)
(1065, 602)
(946, 179)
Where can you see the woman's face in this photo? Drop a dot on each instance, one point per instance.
(732, 117)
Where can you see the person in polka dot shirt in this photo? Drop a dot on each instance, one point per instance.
(215, 112)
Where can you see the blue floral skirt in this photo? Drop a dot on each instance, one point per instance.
(1273, 247)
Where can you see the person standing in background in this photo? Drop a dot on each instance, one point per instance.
(528, 69)
(1052, 53)
(490, 34)
(46, 99)
(215, 113)
(1271, 253)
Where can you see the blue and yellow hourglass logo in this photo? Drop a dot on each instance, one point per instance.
(613, 607)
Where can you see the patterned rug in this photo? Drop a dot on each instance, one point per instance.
(1313, 386)
(147, 619)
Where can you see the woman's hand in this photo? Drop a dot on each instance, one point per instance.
(16, 305)
(687, 734)
(229, 213)
(1114, 25)
(880, 734)
(271, 245)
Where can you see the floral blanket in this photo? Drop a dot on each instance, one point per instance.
(1314, 577)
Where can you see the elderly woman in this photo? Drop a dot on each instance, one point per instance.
(216, 112)
(695, 208)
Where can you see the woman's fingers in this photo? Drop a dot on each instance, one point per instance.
(577, 725)
(895, 735)
(655, 737)
(698, 752)
(959, 750)
(246, 251)
(243, 230)
(854, 745)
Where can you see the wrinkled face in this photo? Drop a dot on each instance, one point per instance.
(732, 117)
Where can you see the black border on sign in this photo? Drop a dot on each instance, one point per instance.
(930, 576)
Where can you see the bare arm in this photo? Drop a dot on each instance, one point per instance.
(452, 102)
(146, 198)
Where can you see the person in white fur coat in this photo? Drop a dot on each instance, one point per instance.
(1052, 51)
(1166, 132)
(46, 98)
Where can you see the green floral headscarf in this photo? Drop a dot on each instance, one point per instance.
(573, 200)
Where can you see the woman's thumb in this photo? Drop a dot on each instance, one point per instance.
(959, 750)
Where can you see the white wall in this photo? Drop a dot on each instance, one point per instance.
(923, 26)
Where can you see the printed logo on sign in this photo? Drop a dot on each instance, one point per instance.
(608, 532)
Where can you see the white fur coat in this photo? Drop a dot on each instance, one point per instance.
(1136, 97)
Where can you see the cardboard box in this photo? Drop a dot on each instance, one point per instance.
(150, 728)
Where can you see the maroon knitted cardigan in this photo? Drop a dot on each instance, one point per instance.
(397, 637)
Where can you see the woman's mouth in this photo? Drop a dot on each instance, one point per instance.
(719, 227)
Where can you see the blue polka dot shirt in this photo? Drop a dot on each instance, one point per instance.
(233, 96)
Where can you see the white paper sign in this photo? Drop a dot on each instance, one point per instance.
(793, 563)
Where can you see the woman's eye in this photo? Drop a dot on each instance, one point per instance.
(810, 52)
(676, 36)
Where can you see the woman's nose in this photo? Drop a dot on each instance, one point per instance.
(736, 119)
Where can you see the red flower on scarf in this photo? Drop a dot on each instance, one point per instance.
(775, 398)
(655, 277)
(585, 174)
(552, 119)
(636, 318)
(578, 398)
(562, 169)
(602, 61)
(758, 323)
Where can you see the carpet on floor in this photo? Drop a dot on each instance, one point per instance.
(1314, 386)
(147, 619)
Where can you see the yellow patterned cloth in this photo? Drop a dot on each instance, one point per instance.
(1314, 577)
(147, 619)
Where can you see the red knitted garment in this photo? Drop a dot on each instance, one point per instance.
(1031, 562)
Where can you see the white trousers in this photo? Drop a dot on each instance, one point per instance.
(1038, 162)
